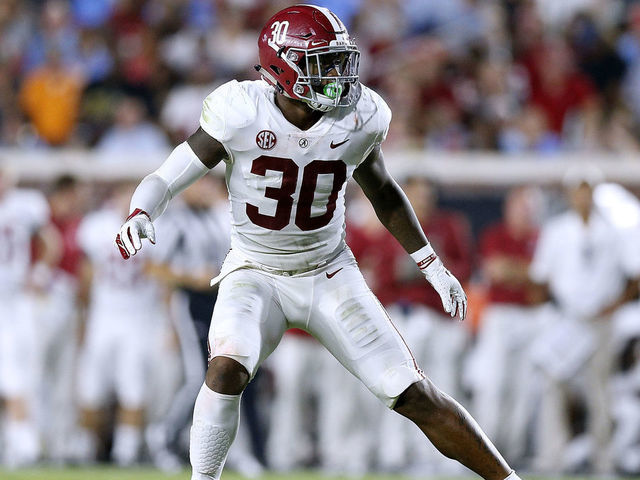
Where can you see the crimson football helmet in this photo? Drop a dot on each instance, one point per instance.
(307, 54)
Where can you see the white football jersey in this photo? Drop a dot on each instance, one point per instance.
(286, 185)
(117, 284)
(22, 213)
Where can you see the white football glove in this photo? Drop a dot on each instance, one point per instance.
(137, 226)
(454, 300)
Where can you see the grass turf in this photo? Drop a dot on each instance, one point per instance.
(111, 473)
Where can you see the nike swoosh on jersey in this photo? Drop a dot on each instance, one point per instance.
(330, 275)
(336, 145)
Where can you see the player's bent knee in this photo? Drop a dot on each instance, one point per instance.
(421, 401)
(226, 375)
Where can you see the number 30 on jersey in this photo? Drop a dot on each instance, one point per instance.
(284, 193)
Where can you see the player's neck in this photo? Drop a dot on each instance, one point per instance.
(297, 113)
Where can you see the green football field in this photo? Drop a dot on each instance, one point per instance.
(109, 473)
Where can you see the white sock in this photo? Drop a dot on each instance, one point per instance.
(513, 476)
(83, 447)
(215, 422)
(127, 440)
(21, 442)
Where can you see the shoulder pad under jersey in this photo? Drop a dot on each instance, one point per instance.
(227, 109)
(374, 114)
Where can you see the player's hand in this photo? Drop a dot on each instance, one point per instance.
(137, 226)
(454, 300)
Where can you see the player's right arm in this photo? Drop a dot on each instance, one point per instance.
(188, 162)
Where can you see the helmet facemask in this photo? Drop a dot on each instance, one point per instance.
(327, 78)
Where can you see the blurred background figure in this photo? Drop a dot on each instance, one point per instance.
(437, 341)
(622, 208)
(459, 75)
(345, 442)
(296, 366)
(123, 308)
(579, 263)
(24, 217)
(500, 373)
(56, 317)
(194, 242)
(181, 111)
(132, 132)
(50, 98)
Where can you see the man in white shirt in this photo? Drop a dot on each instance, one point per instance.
(579, 263)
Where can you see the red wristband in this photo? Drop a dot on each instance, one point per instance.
(138, 211)
(422, 264)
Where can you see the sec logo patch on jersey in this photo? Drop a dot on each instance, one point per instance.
(266, 139)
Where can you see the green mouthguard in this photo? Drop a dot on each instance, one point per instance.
(333, 90)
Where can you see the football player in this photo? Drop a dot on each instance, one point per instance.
(124, 310)
(290, 142)
(24, 218)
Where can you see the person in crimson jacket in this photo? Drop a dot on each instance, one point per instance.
(56, 316)
(500, 370)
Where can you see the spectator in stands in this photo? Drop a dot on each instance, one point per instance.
(91, 15)
(500, 368)
(528, 132)
(231, 46)
(181, 111)
(15, 29)
(379, 24)
(579, 263)
(628, 47)
(565, 95)
(94, 58)
(55, 31)
(450, 51)
(50, 97)
(132, 132)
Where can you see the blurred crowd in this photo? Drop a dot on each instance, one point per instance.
(101, 359)
(505, 75)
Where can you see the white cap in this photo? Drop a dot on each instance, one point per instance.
(580, 173)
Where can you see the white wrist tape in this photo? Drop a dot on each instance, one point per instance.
(424, 257)
(180, 169)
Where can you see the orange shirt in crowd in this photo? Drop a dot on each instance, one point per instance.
(51, 100)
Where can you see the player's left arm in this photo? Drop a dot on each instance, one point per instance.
(395, 212)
